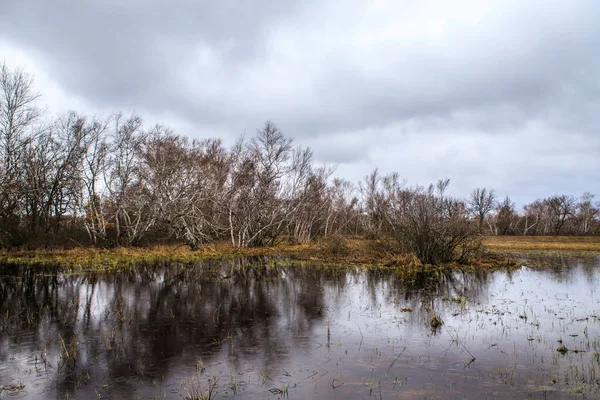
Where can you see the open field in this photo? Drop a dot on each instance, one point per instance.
(543, 243)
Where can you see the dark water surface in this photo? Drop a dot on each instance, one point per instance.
(264, 329)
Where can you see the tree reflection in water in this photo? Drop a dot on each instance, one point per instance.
(139, 331)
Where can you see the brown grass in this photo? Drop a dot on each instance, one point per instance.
(543, 243)
(120, 256)
(382, 253)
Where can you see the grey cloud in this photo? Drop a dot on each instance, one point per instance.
(508, 97)
(132, 52)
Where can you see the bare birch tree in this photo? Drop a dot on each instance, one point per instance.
(18, 114)
(481, 203)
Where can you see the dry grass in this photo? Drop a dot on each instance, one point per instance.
(436, 321)
(357, 251)
(124, 256)
(542, 243)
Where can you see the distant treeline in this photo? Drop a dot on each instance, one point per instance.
(112, 181)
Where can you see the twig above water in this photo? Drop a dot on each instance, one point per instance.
(362, 337)
(396, 359)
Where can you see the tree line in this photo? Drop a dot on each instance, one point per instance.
(113, 181)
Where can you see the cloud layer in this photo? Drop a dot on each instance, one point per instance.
(503, 94)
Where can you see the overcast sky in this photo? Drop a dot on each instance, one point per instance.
(502, 94)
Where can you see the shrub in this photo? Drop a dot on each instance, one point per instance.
(433, 226)
(335, 245)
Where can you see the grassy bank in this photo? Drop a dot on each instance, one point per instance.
(348, 251)
(367, 253)
(123, 256)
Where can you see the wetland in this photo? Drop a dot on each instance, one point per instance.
(270, 327)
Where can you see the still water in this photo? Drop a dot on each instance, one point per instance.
(262, 328)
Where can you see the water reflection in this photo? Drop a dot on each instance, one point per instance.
(261, 328)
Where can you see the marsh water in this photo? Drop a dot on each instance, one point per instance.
(264, 328)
